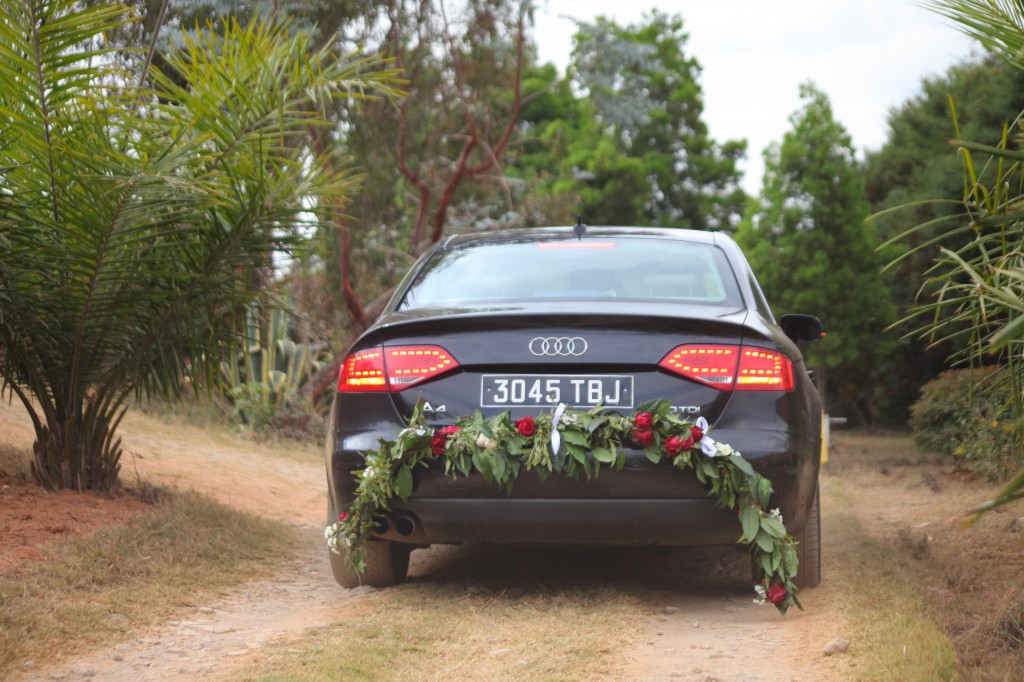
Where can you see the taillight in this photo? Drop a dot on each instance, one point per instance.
(363, 371)
(741, 368)
(764, 370)
(393, 368)
(711, 365)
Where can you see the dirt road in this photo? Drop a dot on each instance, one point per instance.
(702, 624)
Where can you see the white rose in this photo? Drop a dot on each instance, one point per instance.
(485, 443)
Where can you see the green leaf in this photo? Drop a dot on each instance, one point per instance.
(764, 541)
(603, 455)
(578, 453)
(789, 556)
(653, 454)
(499, 467)
(576, 438)
(1012, 330)
(751, 522)
(481, 464)
(742, 464)
(773, 527)
(403, 482)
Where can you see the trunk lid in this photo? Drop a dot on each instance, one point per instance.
(526, 361)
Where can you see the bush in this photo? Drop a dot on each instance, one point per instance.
(969, 415)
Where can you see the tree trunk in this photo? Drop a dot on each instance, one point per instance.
(80, 453)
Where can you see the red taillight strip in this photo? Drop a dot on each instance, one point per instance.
(363, 371)
(764, 370)
(711, 365)
(393, 368)
(740, 368)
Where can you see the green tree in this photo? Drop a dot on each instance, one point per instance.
(917, 164)
(978, 279)
(647, 99)
(132, 220)
(807, 239)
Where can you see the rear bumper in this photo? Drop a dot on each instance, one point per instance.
(572, 521)
(647, 505)
(642, 504)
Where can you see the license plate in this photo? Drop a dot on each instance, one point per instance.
(519, 390)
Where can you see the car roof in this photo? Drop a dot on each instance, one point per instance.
(490, 237)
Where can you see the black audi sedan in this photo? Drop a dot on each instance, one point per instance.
(614, 317)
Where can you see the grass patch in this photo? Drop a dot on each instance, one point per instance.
(893, 637)
(14, 461)
(93, 591)
(430, 632)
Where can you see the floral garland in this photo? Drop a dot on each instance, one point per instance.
(500, 448)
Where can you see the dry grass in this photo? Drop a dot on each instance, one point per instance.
(892, 638)
(427, 632)
(94, 591)
(14, 461)
(915, 576)
(203, 420)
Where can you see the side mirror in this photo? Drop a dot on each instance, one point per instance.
(802, 328)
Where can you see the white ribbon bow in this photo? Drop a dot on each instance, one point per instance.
(556, 437)
(707, 444)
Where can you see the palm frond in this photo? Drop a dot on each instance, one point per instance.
(996, 24)
(136, 217)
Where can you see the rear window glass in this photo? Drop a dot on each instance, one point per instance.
(627, 268)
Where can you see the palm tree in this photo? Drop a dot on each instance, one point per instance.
(980, 288)
(132, 219)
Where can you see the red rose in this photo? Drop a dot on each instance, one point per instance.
(644, 421)
(451, 430)
(676, 445)
(696, 432)
(526, 426)
(343, 516)
(438, 442)
(775, 593)
(643, 436)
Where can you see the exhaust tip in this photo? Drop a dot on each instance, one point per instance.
(381, 525)
(405, 525)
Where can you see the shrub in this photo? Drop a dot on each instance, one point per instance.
(968, 415)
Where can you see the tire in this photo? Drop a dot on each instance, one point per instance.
(809, 548)
(387, 563)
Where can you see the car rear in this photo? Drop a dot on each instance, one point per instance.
(523, 321)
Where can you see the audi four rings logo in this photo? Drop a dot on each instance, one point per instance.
(563, 346)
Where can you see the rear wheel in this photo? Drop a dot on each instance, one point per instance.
(809, 549)
(387, 563)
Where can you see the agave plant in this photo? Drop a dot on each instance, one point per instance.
(132, 218)
(265, 376)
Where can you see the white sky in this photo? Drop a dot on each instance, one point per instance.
(868, 56)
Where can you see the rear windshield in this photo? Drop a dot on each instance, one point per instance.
(644, 269)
